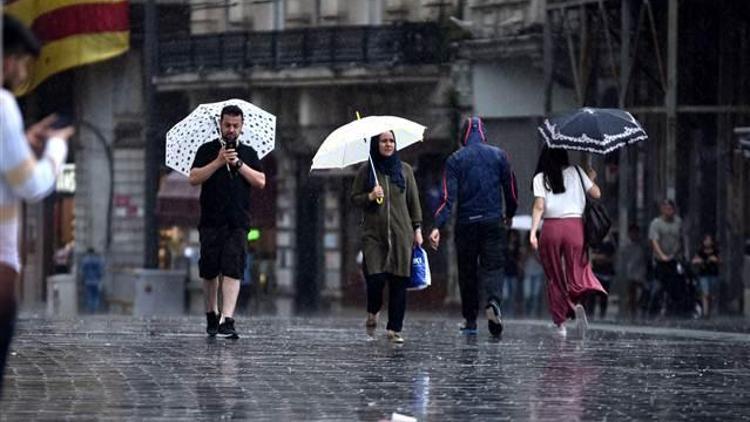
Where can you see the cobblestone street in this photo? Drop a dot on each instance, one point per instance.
(329, 369)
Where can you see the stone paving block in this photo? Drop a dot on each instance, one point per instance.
(120, 368)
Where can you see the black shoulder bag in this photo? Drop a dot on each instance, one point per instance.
(596, 221)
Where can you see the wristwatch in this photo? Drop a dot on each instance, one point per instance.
(238, 164)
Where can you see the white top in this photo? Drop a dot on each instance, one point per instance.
(22, 177)
(569, 204)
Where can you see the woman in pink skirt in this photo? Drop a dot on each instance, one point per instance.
(560, 197)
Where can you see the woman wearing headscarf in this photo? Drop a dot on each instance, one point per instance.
(386, 191)
(559, 198)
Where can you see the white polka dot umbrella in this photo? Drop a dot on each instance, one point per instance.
(202, 126)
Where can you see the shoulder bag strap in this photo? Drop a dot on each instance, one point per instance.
(583, 185)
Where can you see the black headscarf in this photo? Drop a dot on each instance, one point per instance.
(390, 166)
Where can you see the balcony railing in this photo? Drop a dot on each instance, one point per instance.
(413, 43)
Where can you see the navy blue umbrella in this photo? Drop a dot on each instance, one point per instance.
(597, 130)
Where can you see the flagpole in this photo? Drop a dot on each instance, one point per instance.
(151, 182)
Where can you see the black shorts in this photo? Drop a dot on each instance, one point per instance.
(222, 252)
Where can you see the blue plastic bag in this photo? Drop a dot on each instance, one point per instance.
(420, 270)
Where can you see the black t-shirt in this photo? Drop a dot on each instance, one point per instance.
(225, 196)
(708, 268)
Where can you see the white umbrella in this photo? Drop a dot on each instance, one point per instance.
(202, 126)
(350, 144)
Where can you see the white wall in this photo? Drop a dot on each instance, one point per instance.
(95, 87)
(514, 89)
(109, 92)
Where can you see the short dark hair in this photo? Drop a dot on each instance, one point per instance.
(18, 39)
(231, 110)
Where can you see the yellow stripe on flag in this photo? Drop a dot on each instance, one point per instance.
(28, 10)
(74, 51)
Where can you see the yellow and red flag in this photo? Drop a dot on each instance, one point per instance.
(72, 32)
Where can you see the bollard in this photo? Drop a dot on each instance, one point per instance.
(62, 295)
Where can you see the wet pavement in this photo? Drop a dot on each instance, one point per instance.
(328, 369)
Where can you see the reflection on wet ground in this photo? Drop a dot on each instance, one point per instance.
(329, 369)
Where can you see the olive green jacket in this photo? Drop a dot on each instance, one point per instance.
(388, 228)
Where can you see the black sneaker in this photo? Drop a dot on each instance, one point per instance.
(212, 323)
(226, 329)
(494, 321)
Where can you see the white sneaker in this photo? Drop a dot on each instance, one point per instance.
(561, 331)
(582, 323)
(394, 337)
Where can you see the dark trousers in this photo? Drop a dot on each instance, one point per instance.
(669, 290)
(599, 298)
(7, 315)
(396, 297)
(481, 249)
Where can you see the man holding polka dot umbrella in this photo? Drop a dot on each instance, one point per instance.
(219, 146)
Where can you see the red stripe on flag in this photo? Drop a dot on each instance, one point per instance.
(82, 19)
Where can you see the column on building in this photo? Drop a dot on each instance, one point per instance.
(96, 130)
(286, 223)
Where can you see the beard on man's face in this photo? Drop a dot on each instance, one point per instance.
(229, 136)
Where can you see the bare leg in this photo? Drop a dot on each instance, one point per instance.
(230, 289)
(7, 315)
(210, 292)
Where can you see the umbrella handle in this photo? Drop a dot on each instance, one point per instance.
(378, 201)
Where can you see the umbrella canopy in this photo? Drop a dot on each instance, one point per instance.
(202, 126)
(350, 144)
(597, 130)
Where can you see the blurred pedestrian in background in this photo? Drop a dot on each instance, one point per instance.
(632, 270)
(511, 272)
(706, 265)
(533, 279)
(92, 272)
(64, 257)
(248, 283)
(603, 265)
(665, 237)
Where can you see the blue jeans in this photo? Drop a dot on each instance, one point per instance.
(708, 284)
(92, 298)
(532, 294)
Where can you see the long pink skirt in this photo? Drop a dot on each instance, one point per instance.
(568, 270)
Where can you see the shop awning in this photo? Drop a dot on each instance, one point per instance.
(177, 203)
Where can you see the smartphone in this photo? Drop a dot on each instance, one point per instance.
(63, 120)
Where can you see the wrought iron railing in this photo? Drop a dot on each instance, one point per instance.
(412, 43)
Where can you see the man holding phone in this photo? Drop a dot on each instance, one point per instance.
(22, 175)
(226, 169)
